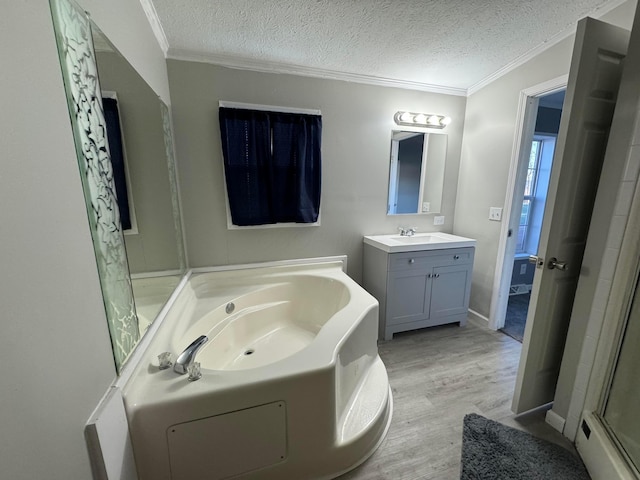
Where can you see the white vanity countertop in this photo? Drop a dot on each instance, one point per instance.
(419, 241)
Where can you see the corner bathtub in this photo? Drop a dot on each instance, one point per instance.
(292, 385)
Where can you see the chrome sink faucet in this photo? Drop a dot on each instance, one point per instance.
(188, 356)
(407, 232)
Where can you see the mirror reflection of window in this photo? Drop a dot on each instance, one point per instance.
(416, 173)
(117, 153)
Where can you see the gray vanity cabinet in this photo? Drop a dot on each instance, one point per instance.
(418, 289)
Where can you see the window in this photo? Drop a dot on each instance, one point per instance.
(272, 165)
(535, 193)
(529, 195)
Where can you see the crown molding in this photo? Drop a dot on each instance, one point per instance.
(156, 26)
(521, 60)
(285, 68)
(554, 40)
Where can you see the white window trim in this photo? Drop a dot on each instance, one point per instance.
(268, 108)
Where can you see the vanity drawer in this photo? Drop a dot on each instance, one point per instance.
(403, 261)
(428, 259)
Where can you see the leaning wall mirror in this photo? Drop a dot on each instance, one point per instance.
(416, 172)
(153, 234)
(124, 146)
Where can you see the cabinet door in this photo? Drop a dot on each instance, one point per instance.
(450, 290)
(408, 296)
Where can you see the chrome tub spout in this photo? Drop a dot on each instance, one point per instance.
(188, 356)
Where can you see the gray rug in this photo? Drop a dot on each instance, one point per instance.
(491, 450)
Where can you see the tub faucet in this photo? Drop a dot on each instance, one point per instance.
(407, 232)
(188, 356)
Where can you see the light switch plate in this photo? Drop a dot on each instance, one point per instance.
(495, 214)
(439, 220)
(426, 207)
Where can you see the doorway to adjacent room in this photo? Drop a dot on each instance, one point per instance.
(531, 206)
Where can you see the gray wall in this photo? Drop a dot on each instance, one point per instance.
(435, 170)
(356, 139)
(486, 153)
(54, 348)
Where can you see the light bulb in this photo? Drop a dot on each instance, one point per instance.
(445, 121)
(420, 118)
(433, 120)
(406, 117)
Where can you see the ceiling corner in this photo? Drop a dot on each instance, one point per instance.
(156, 26)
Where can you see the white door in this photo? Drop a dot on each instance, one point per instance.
(594, 78)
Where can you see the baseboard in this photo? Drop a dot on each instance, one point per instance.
(555, 420)
(478, 316)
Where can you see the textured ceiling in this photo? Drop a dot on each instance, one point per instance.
(448, 43)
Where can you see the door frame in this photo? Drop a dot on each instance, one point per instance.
(506, 244)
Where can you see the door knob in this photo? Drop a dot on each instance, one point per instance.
(554, 263)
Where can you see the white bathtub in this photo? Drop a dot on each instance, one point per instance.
(150, 294)
(292, 385)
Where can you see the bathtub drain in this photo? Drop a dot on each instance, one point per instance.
(249, 352)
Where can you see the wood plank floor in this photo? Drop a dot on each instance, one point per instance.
(437, 376)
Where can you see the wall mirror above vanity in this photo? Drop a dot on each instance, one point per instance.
(416, 172)
(125, 155)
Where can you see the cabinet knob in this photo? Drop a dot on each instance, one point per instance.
(429, 275)
(411, 260)
(456, 257)
(437, 275)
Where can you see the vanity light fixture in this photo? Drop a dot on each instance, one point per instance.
(427, 120)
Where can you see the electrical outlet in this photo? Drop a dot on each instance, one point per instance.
(523, 269)
(438, 220)
(495, 214)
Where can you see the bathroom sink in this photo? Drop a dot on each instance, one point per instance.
(419, 241)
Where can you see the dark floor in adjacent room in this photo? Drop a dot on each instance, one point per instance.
(516, 316)
(438, 375)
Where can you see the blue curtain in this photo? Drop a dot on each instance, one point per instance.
(114, 137)
(272, 166)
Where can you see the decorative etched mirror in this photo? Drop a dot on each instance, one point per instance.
(127, 153)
